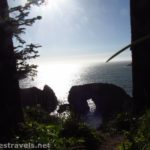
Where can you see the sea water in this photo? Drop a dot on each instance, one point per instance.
(62, 76)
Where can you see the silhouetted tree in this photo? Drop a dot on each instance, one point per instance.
(10, 108)
(19, 19)
(140, 27)
(13, 64)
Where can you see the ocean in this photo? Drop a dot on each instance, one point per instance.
(62, 76)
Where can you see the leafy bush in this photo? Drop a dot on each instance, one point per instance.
(39, 115)
(140, 138)
(124, 122)
(90, 138)
(40, 127)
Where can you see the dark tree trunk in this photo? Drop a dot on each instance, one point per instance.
(140, 27)
(10, 108)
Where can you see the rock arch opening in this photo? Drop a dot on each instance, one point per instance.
(91, 104)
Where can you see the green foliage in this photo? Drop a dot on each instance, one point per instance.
(139, 138)
(40, 127)
(39, 115)
(134, 130)
(91, 139)
(71, 134)
(18, 21)
(123, 123)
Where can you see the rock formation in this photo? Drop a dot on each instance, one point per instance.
(33, 96)
(108, 98)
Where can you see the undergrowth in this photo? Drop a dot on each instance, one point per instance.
(60, 133)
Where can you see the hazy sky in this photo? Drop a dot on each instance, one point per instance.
(72, 29)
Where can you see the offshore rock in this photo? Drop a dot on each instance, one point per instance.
(33, 96)
(108, 98)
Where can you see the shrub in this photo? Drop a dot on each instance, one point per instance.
(40, 127)
(140, 138)
(90, 138)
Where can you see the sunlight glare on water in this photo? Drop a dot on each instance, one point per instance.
(58, 76)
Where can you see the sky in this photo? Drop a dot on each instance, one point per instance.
(80, 30)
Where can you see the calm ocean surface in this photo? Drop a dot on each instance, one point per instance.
(60, 77)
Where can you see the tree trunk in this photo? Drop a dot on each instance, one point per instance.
(10, 108)
(140, 27)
